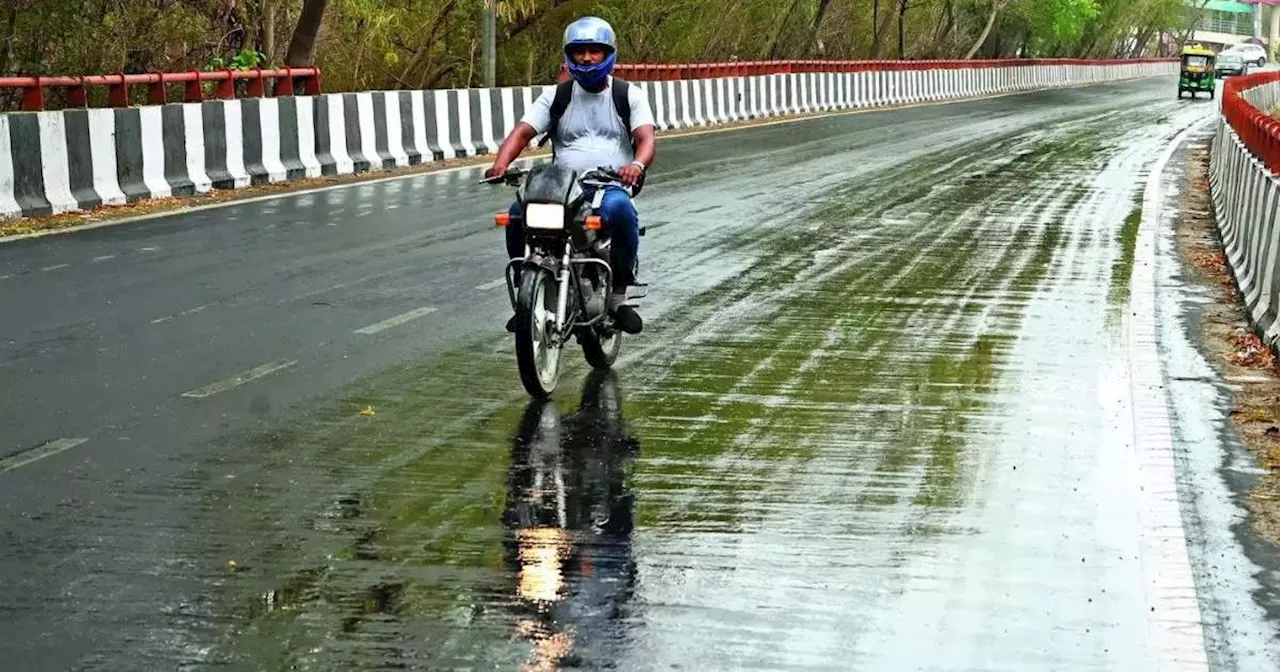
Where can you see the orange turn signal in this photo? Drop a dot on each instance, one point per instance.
(594, 222)
(502, 218)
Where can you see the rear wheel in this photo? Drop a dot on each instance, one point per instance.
(537, 356)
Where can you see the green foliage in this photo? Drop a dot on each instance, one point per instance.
(247, 59)
(366, 44)
(1056, 22)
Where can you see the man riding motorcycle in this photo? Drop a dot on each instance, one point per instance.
(592, 121)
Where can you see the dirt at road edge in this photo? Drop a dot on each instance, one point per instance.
(1248, 365)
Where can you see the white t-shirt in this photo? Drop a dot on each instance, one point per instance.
(590, 134)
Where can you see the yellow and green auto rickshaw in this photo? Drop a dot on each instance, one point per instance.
(1197, 71)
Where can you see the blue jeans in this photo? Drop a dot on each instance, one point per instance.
(621, 221)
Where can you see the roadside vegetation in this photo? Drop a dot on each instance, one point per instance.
(389, 44)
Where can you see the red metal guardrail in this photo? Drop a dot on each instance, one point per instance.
(33, 88)
(287, 80)
(1258, 130)
(647, 72)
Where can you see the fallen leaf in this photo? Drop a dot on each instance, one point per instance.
(1249, 351)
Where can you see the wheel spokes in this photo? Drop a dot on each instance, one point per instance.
(545, 353)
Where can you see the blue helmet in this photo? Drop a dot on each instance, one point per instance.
(591, 30)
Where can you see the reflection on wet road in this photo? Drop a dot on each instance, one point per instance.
(569, 515)
(873, 424)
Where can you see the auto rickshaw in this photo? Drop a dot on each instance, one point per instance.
(1197, 72)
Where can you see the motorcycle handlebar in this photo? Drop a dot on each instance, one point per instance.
(513, 175)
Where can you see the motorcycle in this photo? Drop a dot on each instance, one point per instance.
(560, 288)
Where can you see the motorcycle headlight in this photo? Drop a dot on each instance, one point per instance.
(545, 216)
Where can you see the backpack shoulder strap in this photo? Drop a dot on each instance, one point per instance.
(622, 101)
(622, 105)
(564, 94)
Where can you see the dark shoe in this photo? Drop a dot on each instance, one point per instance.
(628, 319)
(511, 324)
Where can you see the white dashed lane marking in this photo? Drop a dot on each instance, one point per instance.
(239, 379)
(38, 453)
(395, 321)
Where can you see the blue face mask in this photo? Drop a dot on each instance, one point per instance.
(591, 77)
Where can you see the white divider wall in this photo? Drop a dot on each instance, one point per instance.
(1246, 200)
(75, 159)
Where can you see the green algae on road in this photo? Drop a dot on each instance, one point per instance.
(838, 394)
(1122, 269)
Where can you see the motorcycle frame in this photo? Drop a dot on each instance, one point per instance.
(567, 273)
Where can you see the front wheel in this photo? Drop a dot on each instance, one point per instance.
(538, 346)
(601, 349)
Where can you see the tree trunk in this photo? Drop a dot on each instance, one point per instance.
(10, 34)
(422, 58)
(817, 22)
(1195, 23)
(1088, 44)
(777, 32)
(269, 31)
(877, 45)
(882, 29)
(302, 48)
(996, 6)
(902, 31)
(252, 33)
(942, 34)
(1141, 41)
(433, 81)
(424, 54)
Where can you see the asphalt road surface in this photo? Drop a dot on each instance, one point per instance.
(873, 421)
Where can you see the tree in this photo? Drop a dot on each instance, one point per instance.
(10, 36)
(880, 25)
(997, 6)
(875, 23)
(1194, 23)
(902, 18)
(946, 23)
(817, 22)
(776, 41)
(1053, 25)
(269, 30)
(302, 48)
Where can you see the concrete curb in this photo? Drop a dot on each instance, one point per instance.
(1175, 624)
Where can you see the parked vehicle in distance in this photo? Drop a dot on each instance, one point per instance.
(1252, 54)
(1230, 63)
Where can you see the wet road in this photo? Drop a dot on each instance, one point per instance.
(869, 424)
